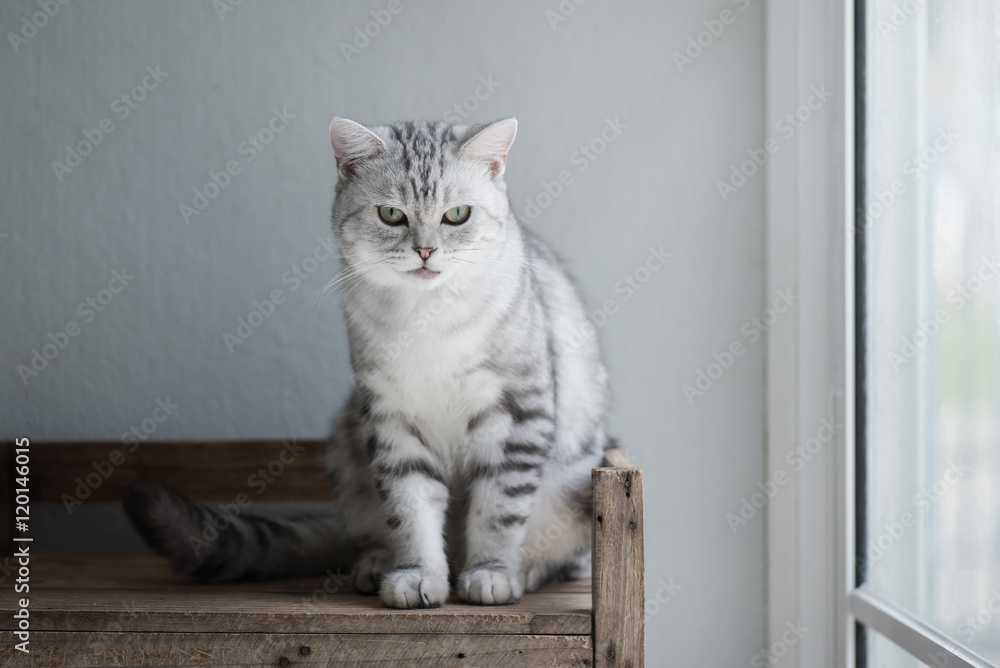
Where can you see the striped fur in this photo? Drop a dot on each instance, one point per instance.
(464, 454)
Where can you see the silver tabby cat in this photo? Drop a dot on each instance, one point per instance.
(463, 456)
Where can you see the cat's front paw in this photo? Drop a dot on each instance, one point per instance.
(414, 588)
(489, 587)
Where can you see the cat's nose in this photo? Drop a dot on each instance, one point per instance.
(424, 252)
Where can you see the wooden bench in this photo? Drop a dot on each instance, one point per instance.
(103, 610)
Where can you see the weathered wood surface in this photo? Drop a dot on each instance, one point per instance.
(79, 650)
(138, 594)
(277, 470)
(149, 617)
(618, 576)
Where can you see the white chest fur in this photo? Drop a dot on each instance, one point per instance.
(428, 363)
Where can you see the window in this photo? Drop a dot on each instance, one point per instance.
(928, 393)
(887, 545)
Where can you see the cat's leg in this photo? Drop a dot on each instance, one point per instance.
(507, 460)
(411, 485)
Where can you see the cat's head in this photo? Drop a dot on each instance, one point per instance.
(420, 203)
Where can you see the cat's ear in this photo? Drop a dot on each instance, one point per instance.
(490, 144)
(353, 143)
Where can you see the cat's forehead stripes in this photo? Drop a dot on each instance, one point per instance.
(422, 150)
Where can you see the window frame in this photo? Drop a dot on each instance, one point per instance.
(815, 358)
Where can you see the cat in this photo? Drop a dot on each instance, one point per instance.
(463, 456)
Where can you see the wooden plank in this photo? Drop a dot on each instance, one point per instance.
(209, 470)
(618, 580)
(141, 572)
(124, 593)
(222, 609)
(83, 650)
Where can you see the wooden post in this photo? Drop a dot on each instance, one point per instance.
(619, 581)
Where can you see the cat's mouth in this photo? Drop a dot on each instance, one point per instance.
(424, 273)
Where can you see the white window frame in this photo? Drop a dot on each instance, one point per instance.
(809, 200)
(810, 356)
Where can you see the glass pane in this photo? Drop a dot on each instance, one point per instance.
(883, 653)
(932, 312)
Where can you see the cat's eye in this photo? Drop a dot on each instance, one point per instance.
(456, 215)
(390, 215)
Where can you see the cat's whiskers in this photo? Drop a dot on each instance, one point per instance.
(344, 278)
(342, 275)
(351, 287)
(363, 253)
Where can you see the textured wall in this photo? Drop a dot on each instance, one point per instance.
(157, 332)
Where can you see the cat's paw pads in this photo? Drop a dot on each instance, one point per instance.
(488, 587)
(414, 588)
(370, 569)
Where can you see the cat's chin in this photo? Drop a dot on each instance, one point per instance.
(424, 274)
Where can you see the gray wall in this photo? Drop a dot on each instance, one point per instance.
(162, 336)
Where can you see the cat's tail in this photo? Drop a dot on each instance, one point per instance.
(225, 544)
